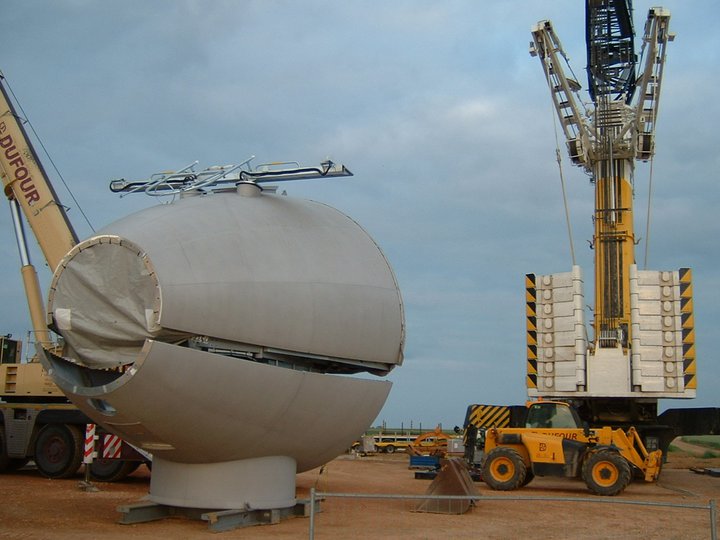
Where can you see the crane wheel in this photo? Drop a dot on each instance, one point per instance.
(59, 450)
(504, 469)
(8, 464)
(4, 459)
(112, 470)
(606, 472)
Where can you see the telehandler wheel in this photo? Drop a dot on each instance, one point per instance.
(529, 476)
(504, 469)
(606, 472)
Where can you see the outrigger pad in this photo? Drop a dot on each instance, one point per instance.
(452, 479)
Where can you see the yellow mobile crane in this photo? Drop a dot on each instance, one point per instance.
(37, 421)
(643, 343)
(28, 189)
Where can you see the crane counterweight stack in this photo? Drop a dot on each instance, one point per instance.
(642, 344)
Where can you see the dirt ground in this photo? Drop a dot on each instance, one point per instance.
(34, 507)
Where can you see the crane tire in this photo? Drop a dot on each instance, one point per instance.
(4, 459)
(606, 472)
(112, 470)
(8, 464)
(59, 450)
(504, 469)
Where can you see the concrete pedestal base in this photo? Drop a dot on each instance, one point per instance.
(259, 483)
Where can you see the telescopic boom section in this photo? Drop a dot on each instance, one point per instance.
(25, 181)
(611, 78)
(614, 242)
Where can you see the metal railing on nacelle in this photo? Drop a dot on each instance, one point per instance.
(188, 179)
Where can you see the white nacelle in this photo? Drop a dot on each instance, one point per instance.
(293, 290)
(265, 271)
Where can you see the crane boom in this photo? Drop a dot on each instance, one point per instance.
(24, 180)
(30, 191)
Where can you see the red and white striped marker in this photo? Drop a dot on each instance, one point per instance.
(112, 447)
(89, 443)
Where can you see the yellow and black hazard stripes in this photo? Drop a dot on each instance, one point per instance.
(531, 321)
(688, 328)
(486, 416)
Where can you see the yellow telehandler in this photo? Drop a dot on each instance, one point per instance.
(555, 443)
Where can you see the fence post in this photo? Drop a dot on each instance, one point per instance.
(713, 519)
(311, 534)
(88, 456)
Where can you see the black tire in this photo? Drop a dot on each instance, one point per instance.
(15, 464)
(606, 472)
(529, 476)
(504, 469)
(4, 459)
(59, 450)
(8, 464)
(390, 449)
(112, 470)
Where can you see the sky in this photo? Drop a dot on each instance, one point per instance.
(438, 110)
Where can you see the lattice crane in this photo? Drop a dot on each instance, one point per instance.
(643, 343)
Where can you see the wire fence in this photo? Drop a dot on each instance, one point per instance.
(316, 496)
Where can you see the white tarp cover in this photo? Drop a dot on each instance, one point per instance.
(106, 303)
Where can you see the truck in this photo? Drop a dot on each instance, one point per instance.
(641, 345)
(37, 421)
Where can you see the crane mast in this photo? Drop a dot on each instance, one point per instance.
(611, 80)
(643, 342)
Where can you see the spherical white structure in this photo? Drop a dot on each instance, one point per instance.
(217, 332)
